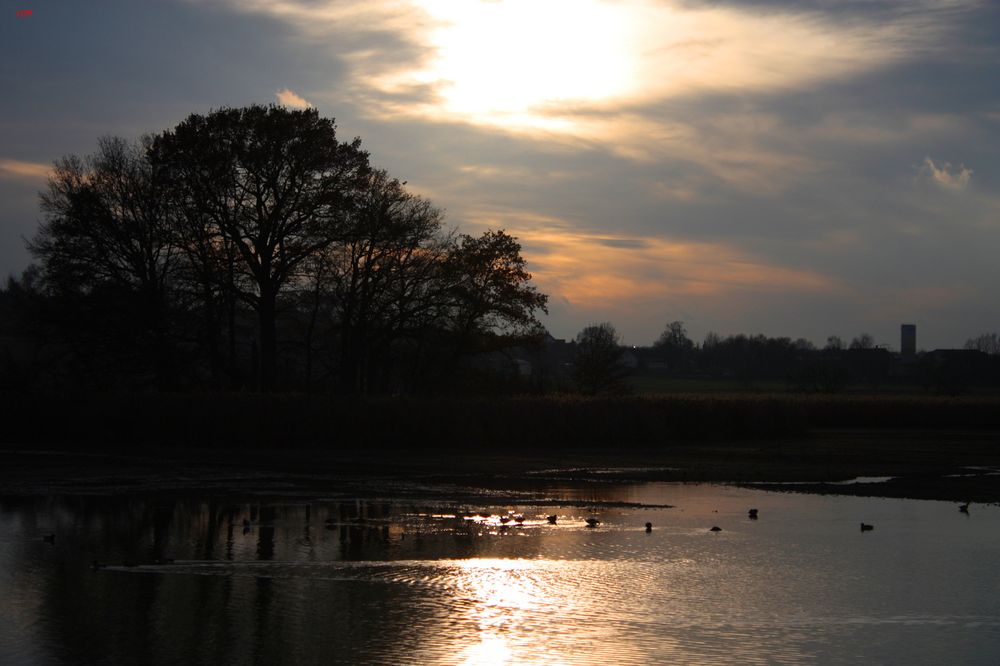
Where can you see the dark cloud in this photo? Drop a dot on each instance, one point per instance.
(622, 243)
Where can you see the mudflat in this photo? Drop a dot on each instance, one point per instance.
(921, 464)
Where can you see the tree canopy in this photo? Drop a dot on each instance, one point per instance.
(598, 364)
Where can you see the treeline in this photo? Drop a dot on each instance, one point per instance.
(252, 249)
(600, 364)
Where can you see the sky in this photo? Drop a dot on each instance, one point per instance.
(800, 169)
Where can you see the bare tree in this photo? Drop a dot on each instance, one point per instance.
(676, 346)
(107, 231)
(988, 343)
(384, 277)
(863, 341)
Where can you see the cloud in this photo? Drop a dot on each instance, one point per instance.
(23, 170)
(288, 98)
(946, 176)
(595, 271)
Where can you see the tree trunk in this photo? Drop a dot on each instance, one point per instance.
(266, 313)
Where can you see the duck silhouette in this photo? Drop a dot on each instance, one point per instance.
(593, 522)
(964, 508)
(649, 527)
(865, 527)
(715, 528)
(552, 519)
(752, 513)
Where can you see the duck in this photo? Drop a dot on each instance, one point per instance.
(715, 528)
(593, 522)
(504, 520)
(519, 519)
(865, 527)
(964, 508)
(552, 519)
(649, 527)
(752, 513)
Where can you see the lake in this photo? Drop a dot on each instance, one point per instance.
(399, 579)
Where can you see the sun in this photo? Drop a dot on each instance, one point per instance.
(520, 61)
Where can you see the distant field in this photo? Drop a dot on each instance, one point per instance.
(660, 384)
(654, 384)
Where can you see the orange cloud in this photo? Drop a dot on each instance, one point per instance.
(26, 170)
(288, 98)
(594, 271)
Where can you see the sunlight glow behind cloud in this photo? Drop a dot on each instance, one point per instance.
(499, 61)
(563, 65)
(530, 65)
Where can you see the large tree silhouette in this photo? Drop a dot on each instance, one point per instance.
(274, 184)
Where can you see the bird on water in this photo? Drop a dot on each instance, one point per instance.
(593, 522)
(552, 519)
(649, 527)
(715, 528)
(865, 527)
(964, 508)
(752, 513)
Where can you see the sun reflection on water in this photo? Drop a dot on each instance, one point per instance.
(491, 649)
(506, 597)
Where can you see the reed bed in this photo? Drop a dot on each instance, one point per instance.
(553, 423)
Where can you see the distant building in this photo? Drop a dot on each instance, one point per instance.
(908, 340)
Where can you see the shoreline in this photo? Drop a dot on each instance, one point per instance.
(949, 465)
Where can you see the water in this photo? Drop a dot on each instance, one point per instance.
(307, 582)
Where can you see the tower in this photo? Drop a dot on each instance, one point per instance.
(908, 339)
